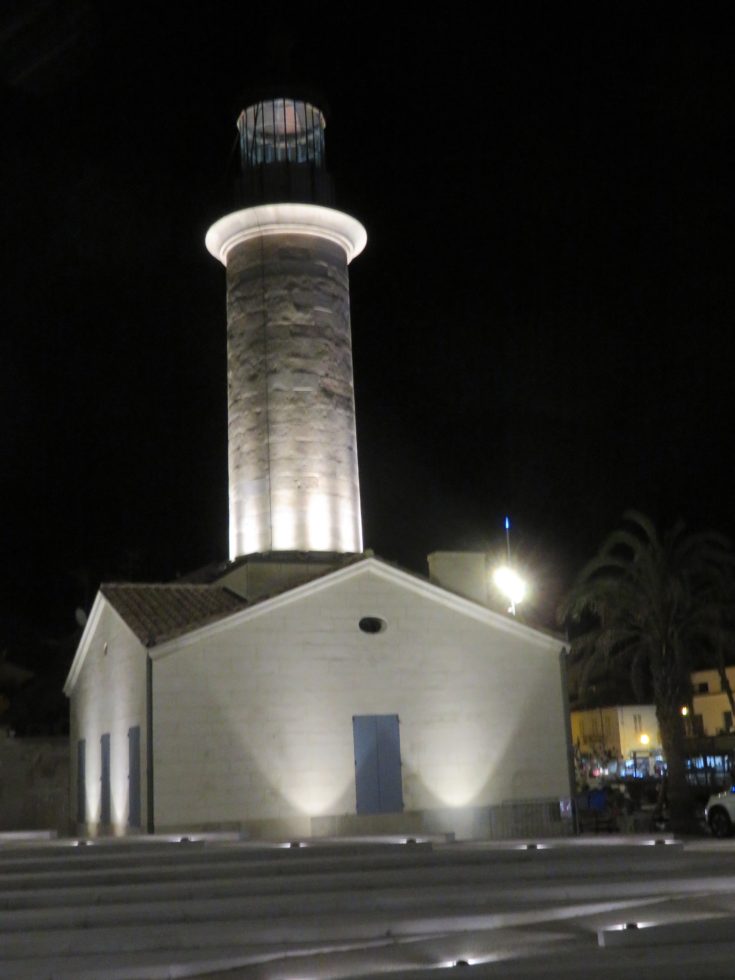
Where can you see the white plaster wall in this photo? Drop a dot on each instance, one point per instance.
(109, 696)
(255, 723)
(464, 572)
(712, 708)
(712, 705)
(630, 737)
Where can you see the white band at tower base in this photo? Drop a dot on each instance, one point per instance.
(289, 219)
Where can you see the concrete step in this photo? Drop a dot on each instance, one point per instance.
(89, 867)
(259, 931)
(207, 900)
(162, 910)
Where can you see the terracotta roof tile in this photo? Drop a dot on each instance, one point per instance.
(159, 612)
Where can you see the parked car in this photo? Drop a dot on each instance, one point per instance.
(720, 813)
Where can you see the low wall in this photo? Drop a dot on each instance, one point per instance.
(34, 783)
(527, 818)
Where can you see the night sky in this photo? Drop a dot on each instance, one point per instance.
(542, 318)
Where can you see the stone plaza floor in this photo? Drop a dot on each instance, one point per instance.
(602, 907)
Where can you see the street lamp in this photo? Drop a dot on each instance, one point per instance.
(511, 585)
(506, 580)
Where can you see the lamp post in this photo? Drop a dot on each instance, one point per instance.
(511, 585)
(508, 581)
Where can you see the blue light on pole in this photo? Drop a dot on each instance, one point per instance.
(506, 580)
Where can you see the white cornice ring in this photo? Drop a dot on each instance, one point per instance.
(285, 219)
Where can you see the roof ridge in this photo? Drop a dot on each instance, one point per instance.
(191, 586)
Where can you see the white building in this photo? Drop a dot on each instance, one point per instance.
(306, 687)
(618, 731)
(712, 712)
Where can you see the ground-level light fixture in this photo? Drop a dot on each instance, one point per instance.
(684, 711)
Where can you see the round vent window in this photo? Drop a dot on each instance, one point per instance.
(371, 624)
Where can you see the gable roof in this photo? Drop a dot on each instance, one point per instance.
(161, 612)
(165, 617)
(368, 565)
(154, 613)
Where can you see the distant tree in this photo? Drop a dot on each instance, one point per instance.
(657, 606)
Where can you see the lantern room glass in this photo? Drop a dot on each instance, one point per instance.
(281, 131)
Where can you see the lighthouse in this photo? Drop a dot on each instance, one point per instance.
(292, 450)
(307, 687)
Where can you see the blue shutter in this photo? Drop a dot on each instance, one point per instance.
(364, 732)
(105, 779)
(390, 783)
(134, 776)
(81, 781)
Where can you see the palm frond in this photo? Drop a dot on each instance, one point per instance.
(656, 604)
(640, 520)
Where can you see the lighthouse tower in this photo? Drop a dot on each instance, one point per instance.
(293, 475)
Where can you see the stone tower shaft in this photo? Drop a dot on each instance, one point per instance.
(293, 473)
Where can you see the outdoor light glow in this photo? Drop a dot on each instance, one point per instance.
(312, 793)
(319, 523)
(685, 711)
(460, 785)
(247, 533)
(645, 739)
(630, 926)
(312, 220)
(316, 521)
(284, 514)
(510, 584)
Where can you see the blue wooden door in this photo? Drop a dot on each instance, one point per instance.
(378, 784)
(134, 776)
(105, 779)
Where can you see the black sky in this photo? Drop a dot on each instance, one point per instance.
(541, 321)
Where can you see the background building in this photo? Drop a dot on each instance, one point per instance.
(712, 714)
(620, 732)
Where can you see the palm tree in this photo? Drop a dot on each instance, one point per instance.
(659, 606)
